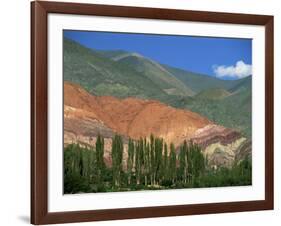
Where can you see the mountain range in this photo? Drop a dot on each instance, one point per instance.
(125, 74)
(86, 116)
(119, 92)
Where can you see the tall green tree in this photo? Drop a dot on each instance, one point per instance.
(130, 160)
(181, 169)
(152, 160)
(117, 157)
(146, 161)
(139, 168)
(173, 163)
(166, 163)
(196, 162)
(183, 162)
(77, 169)
(158, 159)
(100, 158)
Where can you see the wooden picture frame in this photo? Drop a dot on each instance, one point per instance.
(39, 112)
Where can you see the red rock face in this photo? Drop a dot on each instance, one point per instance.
(130, 117)
(86, 116)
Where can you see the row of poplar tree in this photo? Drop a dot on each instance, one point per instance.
(149, 162)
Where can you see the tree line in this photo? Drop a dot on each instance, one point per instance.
(149, 164)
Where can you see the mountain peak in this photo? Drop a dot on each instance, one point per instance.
(127, 54)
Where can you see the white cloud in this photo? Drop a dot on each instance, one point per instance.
(240, 70)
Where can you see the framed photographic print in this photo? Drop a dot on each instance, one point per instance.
(147, 112)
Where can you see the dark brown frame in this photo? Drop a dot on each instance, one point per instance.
(39, 115)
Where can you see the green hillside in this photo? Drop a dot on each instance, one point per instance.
(101, 76)
(242, 85)
(152, 70)
(233, 111)
(213, 94)
(198, 82)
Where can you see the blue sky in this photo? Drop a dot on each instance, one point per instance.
(225, 58)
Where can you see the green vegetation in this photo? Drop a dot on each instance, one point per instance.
(199, 82)
(233, 111)
(213, 94)
(156, 73)
(148, 167)
(117, 156)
